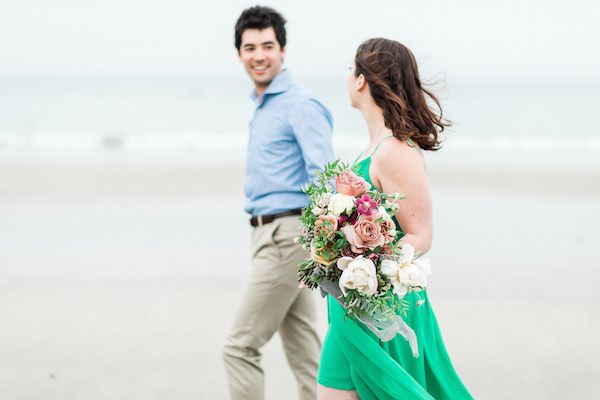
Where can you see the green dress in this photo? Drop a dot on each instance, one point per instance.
(353, 358)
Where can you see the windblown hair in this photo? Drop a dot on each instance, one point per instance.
(259, 17)
(391, 71)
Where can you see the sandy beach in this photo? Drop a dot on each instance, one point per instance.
(119, 277)
(124, 245)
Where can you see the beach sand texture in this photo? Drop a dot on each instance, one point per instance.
(119, 278)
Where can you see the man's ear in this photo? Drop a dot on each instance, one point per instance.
(282, 54)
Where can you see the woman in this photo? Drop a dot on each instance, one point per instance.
(384, 85)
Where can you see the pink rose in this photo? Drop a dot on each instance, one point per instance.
(328, 228)
(365, 234)
(350, 184)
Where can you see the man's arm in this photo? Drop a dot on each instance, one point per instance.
(312, 126)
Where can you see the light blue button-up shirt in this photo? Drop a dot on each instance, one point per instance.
(290, 139)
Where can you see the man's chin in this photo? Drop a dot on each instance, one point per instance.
(262, 79)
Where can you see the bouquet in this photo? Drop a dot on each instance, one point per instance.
(355, 251)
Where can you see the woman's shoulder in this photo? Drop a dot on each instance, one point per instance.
(395, 152)
(397, 162)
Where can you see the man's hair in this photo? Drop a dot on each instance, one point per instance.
(259, 17)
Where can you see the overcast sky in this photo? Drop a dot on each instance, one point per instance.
(467, 39)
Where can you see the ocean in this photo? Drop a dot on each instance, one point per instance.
(54, 113)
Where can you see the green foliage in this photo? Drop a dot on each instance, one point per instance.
(378, 308)
(323, 183)
(309, 274)
(340, 241)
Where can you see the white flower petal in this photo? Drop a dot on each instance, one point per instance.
(423, 265)
(407, 253)
(340, 203)
(399, 289)
(343, 262)
(389, 267)
(359, 274)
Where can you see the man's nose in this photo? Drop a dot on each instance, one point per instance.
(259, 55)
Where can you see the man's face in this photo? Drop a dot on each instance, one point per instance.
(261, 55)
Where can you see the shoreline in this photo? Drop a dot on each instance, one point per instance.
(167, 177)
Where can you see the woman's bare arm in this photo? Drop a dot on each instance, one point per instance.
(398, 167)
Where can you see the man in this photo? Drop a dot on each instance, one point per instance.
(290, 139)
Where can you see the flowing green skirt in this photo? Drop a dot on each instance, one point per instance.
(353, 358)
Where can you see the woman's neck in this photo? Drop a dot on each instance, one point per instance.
(373, 116)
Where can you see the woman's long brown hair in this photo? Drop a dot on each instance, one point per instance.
(391, 71)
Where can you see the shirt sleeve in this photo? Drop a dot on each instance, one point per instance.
(312, 126)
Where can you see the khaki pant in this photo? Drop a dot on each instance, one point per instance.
(273, 303)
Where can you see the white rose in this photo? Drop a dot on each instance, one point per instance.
(418, 269)
(358, 273)
(413, 275)
(317, 210)
(418, 273)
(400, 290)
(407, 273)
(381, 212)
(324, 200)
(340, 203)
(424, 265)
(398, 276)
(407, 253)
(389, 268)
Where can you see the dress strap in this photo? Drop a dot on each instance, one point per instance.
(358, 157)
(379, 143)
(372, 152)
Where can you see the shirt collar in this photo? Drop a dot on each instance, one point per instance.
(279, 84)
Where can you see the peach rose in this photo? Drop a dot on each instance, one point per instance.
(323, 256)
(328, 229)
(388, 229)
(351, 184)
(364, 234)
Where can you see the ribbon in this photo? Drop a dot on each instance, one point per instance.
(385, 329)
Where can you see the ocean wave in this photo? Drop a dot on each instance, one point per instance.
(217, 142)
